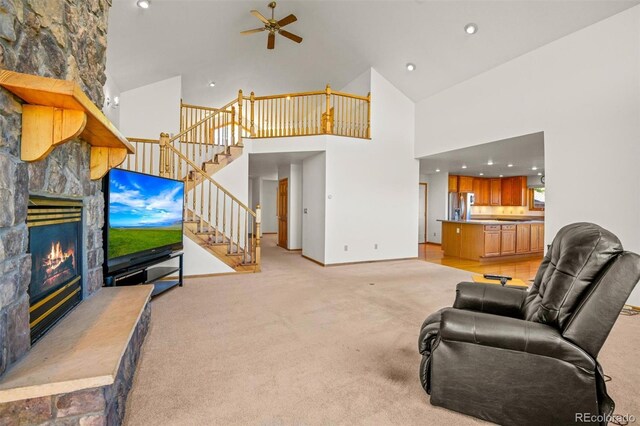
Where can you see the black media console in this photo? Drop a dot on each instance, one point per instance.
(149, 273)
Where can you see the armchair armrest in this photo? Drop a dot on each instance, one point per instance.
(490, 298)
(511, 334)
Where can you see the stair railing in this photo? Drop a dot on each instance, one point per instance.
(211, 211)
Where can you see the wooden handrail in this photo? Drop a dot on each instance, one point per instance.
(184, 132)
(142, 140)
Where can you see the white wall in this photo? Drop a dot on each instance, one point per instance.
(268, 199)
(147, 111)
(313, 207)
(583, 91)
(437, 199)
(111, 91)
(198, 261)
(372, 185)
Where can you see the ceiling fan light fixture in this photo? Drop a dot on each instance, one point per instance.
(410, 66)
(471, 28)
(143, 4)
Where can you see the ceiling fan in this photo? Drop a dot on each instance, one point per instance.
(274, 26)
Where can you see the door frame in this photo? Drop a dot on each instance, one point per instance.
(426, 211)
(278, 212)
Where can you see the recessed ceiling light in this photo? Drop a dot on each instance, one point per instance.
(471, 28)
(437, 170)
(534, 168)
(501, 175)
(410, 67)
(288, 97)
(489, 163)
(144, 4)
(481, 174)
(539, 174)
(509, 165)
(212, 84)
(464, 166)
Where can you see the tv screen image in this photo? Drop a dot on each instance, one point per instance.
(144, 213)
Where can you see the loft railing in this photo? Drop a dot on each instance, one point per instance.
(292, 114)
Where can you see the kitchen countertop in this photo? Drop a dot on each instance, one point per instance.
(492, 221)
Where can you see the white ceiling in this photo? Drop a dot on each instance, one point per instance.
(266, 165)
(200, 40)
(524, 152)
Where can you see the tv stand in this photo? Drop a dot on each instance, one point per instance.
(149, 272)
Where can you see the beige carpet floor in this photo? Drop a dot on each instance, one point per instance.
(303, 344)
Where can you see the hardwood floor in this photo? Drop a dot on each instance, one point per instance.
(522, 269)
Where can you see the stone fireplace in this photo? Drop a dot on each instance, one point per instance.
(60, 39)
(56, 248)
(63, 358)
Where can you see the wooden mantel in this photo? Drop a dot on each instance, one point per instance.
(57, 111)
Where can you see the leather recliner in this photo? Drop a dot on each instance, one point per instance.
(510, 356)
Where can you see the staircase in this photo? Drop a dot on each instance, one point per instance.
(211, 138)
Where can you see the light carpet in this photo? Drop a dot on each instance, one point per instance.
(302, 344)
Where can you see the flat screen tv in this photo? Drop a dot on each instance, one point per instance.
(143, 218)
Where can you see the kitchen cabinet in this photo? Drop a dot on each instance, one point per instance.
(481, 191)
(537, 237)
(508, 240)
(495, 190)
(465, 184)
(513, 191)
(523, 238)
(453, 183)
(491, 243)
(451, 241)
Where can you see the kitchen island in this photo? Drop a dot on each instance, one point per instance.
(488, 239)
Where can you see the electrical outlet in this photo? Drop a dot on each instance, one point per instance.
(346, 248)
(434, 234)
(457, 230)
(375, 246)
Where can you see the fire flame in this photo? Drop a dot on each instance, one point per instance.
(57, 256)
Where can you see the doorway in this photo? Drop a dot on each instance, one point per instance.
(422, 213)
(283, 203)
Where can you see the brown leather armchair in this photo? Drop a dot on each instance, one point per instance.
(529, 358)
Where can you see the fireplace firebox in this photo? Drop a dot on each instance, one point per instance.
(55, 244)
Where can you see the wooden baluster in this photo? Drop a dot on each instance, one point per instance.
(256, 257)
(164, 139)
(201, 206)
(252, 129)
(328, 118)
(246, 236)
(209, 218)
(231, 229)
(217, 211)
(238, 233)
(224, 216)
(239, 118)
(369, 115)
(233, 126)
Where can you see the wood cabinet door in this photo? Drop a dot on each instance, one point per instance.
(494, 192)
(491, 243)
(477, 192)
(537, 237)
(523, 238)
(519, 191)
(508, 242)
(505, 191)
(453, 183)
(485, 190)
(465, 184)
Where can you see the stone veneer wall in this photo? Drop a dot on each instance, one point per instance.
(64, 39)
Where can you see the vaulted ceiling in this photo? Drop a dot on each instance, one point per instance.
(200, 40)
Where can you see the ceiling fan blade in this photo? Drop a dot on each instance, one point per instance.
(259, 16)
(257, 30)
(287, 20)
(271, 41)
(290, 36)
